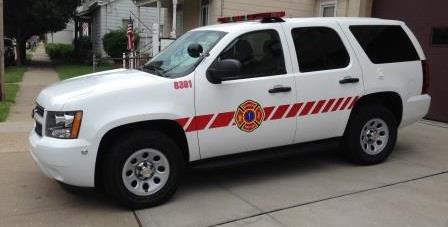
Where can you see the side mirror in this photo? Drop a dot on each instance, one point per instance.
(226, 69)
(195, 50)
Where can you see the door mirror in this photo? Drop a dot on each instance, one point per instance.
(195, 50)
(226, 69)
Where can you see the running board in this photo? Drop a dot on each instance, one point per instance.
(265, 154)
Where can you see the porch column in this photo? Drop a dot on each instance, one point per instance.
(159, 8)
(155, 39)
(173, 29)
(138, 17)
(156, 31)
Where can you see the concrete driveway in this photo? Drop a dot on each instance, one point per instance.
(308, 189)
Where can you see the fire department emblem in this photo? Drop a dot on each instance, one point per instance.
(249, 116)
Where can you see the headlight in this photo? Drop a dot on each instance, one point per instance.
(63, 125)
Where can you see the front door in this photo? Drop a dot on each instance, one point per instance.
(247, 113)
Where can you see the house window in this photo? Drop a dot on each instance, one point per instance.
(439, 36)
(125, 23)
(328, 9)
(204, 12)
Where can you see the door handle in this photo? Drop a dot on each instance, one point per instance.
(279, 89)
(349, 80)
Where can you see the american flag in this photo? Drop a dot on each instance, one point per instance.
(130, 34)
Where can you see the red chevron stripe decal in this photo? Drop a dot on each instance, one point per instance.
(353, 102)
(318, 106)
(294, 110)
(182, 121)
(199, 122)
(338, 103)
(328, 106)
(307, 108)
(224, 119)
(281, 110)
(268, 111)
(347, 100)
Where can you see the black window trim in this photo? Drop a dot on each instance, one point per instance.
(349, 63)
(256, 75)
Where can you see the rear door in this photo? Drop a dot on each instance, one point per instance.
(328, 78)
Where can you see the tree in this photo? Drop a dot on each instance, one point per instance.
(25, 18)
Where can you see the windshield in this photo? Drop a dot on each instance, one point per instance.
(174, 61)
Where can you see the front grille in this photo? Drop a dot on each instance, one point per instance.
(39, 110)
(38, 128)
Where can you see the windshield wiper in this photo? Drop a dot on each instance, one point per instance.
(156, 69)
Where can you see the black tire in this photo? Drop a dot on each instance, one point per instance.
(352, 145)
(124, 148)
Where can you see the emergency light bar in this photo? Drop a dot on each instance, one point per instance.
(265, 17)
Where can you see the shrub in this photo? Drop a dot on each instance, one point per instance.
(115, 42)
(83, 50)
(59, 51)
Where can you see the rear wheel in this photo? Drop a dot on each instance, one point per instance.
(371, 135)
(143, 169)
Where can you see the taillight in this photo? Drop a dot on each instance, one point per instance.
(425, 85)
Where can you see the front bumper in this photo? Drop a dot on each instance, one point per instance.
(64, 160)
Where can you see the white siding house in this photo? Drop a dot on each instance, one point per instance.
(107, 15)
(64, 36)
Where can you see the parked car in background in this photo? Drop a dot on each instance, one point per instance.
(32, 42)
(10, 54)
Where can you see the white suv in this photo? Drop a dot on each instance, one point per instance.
(228, 89)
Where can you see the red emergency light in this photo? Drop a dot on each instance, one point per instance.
(249, 17)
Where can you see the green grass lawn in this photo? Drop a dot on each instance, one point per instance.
(67, 71)
(13, 77)
(14, 74)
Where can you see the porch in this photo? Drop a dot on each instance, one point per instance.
(180, 17)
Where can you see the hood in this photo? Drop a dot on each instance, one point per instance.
(56, 95)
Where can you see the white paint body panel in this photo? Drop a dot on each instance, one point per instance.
(323, 85)
(108, 100)
(114, 98)
(227, 96)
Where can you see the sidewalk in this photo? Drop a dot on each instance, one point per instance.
(39, 75)
(27, 197)
(15, 130)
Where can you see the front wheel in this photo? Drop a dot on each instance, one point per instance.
(143, 169)
(371, 135)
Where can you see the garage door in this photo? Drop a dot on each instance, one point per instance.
(429, 21)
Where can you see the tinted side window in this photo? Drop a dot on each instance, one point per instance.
(260, 54)
(319, 48)
(385, 43)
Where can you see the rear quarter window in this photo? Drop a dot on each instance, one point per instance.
(385, 43)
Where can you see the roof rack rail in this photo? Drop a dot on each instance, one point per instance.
(268, 17)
